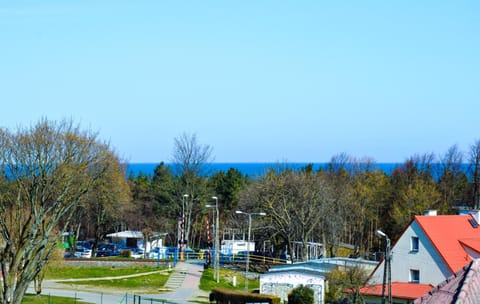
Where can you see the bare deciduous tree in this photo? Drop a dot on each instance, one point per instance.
(190, 159)
(339, 180)
(49, 169)
(474, 157)
(452, 181)
(295, 204)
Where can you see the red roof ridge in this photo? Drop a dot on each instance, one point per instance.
(444, 245)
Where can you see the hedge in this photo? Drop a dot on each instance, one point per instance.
(229, 296)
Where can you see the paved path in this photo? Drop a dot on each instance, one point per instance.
(181, 288)
(183, 283)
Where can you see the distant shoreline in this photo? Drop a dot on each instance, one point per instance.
(249, 169)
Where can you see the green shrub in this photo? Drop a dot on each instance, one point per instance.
(224, 295)
(301, 295)
(126, 253)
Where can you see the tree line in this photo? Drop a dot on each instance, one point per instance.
(56, 177)
(344, 202)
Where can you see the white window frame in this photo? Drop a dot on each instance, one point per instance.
(414, 273)
(414, 244)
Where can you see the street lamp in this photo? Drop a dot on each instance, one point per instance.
(182, 241)
(249, 214)
(387, 271)
(217, 254)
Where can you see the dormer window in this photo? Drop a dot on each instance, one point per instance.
(414, 243)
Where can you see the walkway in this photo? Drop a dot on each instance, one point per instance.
(183, 283)
(181, 288)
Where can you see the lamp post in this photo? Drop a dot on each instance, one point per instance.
(182, 241)
(217, 254)
(387, 272)
(249, 214)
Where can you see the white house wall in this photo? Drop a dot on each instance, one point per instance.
(281, 283)
(427, 261)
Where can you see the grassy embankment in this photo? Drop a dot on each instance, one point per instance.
(120, 278)
(33, 299)
(126, 278)
(207, 283)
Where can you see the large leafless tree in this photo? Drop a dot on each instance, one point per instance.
(190, 159)
(474, 157)
(49, 168)
(452, 180)
(295, 203)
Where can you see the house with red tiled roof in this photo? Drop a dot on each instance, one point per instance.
(432, 248)
(402, 293)
(462, 287)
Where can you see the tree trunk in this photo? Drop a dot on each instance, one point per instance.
(37, 283)
(324, 245)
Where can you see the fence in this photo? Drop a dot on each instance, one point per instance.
(136, 299)
(101, 298)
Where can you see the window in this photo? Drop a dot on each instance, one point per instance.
(414, 276)
(414, 244)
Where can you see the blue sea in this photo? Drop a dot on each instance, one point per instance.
(249, 169)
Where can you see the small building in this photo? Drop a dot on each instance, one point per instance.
(231, 247)
(280, 280)
(135, 239)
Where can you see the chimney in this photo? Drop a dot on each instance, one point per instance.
(430, 212)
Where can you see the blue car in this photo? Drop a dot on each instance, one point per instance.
(106, 250)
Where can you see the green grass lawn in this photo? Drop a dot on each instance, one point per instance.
(146, 283)
(152, 282)
(207, 282)
(34, 299)
(72, 272)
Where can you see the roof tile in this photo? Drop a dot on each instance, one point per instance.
(400, 290)
(447, 232)
(462, 287)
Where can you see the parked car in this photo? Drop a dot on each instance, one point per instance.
(225, 258)
(189, 253)
(157, 253)
(241, 256)
(171, 251)
(85, 244)
(137, 253)
(107, 249)
(82, 252)
(133, 252)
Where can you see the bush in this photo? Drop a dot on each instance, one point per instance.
(301, 295)
(223, 295)
(126, 253)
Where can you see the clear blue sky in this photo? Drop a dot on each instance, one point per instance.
(258, 80)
